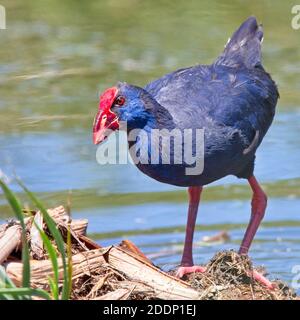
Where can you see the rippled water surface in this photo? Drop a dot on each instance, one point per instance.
(55, 58)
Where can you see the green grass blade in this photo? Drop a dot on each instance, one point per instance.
(25, 292)
(70, 266)
(17, 209)
(5, 281)
(54, 289)
(54, 283)
(57, 237)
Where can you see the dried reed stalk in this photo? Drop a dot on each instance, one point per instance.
(128, 245)
(79, 226)
(36, 243)
(163, 285)
(9, 241)
(82, 263)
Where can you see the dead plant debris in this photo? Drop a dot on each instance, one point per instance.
(123, 272)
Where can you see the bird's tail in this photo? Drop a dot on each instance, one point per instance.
(244, 47)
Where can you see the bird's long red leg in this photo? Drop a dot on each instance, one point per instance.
(187, 264)
(259, 204)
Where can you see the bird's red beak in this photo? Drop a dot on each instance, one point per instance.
(105, 119)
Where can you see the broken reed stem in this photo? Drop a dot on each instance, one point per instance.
(79, 226)
(82, 263)
(9, 241)
(163, 285)
(36, 241)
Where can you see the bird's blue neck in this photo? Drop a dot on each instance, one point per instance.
(152, 116)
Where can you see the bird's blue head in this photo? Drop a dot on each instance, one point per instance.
(123, 103)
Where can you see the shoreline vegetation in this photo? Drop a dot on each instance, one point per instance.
(45, 254)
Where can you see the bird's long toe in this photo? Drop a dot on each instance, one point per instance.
(263, 280)
(186, 270)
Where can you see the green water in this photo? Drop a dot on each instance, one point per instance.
(55, 59)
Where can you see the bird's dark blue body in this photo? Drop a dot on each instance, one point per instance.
(230, 102)
(233, 100)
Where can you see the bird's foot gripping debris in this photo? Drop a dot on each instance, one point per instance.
(225, 268)
(186, 270)
(263, 280)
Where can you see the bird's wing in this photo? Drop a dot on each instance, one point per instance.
(247, 102)
(210, 96)
(235, 91)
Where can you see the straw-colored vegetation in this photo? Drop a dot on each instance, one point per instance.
(44, 254)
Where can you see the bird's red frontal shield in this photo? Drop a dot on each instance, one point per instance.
(105, 119)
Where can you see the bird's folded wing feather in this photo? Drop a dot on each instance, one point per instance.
(210, 96)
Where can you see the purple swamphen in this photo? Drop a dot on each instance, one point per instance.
(233, 100)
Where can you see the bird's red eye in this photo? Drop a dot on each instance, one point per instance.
(119, 101)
